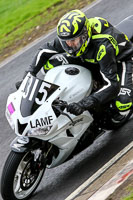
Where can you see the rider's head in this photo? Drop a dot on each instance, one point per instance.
(74, 32)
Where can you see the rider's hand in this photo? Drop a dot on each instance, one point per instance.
(86, 103)
(75, 108)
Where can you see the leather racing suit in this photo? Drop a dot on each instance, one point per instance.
(109, 51)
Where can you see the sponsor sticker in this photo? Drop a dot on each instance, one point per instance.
(11, 108)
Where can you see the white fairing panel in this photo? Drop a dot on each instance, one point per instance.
(77, 86)
(71, 83)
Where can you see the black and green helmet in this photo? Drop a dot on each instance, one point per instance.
(73, 28)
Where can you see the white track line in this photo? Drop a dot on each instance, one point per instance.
(100, 172)
(26, 48)
(85, 9)
(116, 181)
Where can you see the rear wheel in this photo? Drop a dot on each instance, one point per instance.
(21, 176)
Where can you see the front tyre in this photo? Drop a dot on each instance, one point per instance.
(21, 176)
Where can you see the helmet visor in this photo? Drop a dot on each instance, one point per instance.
(73, 45)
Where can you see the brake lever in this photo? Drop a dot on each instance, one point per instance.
(64, 104)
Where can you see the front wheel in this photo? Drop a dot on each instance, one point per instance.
(21, 176)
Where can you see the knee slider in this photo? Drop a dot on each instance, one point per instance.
(124, 99)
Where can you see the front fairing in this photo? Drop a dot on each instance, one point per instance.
(29, 110)
(30, 107)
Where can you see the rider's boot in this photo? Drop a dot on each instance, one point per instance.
(117, 116)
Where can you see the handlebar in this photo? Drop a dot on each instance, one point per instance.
(60, 105)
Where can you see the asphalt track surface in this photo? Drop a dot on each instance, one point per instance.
(59, 182)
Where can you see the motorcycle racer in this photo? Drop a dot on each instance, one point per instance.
(94, 41)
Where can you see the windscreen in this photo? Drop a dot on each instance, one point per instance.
(35, 93)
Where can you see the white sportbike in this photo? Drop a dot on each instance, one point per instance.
(47, 135)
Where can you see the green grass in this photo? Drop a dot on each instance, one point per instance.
(20, 17)
(130, 196)
(16, 13)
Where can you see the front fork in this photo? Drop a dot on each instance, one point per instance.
(20, 144)
(38, 148)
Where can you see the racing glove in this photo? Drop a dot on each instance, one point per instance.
(78, 108)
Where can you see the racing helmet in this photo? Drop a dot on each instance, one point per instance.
(74, 32)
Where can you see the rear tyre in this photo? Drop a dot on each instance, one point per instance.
(19, 179)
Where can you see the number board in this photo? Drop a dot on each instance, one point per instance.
(35, 93)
